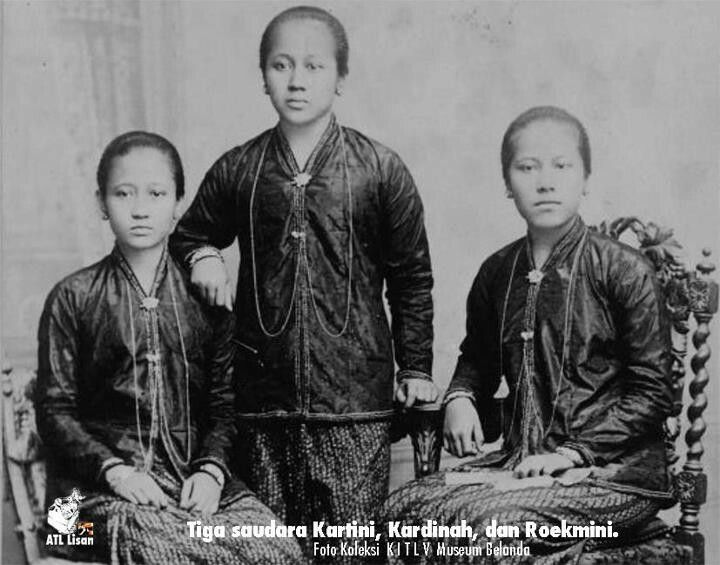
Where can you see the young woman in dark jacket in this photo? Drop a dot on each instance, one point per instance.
(324, 218)
(570, 327)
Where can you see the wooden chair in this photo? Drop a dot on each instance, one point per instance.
(687, 293)
(24, 464)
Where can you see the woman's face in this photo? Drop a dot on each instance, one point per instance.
(301, 74)
(140, 199)
(547, 176)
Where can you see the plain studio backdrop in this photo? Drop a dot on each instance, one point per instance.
(436, 81)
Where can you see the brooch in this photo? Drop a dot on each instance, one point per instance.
(153, 358)
(527, 336)
(535, 276)
(301, 180)
(149, 303)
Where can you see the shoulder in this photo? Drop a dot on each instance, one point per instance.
(375, 154)
(238, 155)
(71, 292)
(497, 267)
(615, 258)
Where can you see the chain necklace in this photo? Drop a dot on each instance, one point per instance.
(535, 277)
(158, 414)
(300, 181)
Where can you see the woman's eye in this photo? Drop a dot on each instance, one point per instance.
(314, 66)
(563, 165)
(280, 65)
(157, 193)
(524, 167)
(121, 194)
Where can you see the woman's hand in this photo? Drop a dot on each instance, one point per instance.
(136, 486)
(462, 431)
(210, 276)
(546, 464)
(412, 390)
(201, 493)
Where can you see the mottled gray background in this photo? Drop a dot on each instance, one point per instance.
(436, 81)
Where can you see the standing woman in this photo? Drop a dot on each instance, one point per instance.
(324, 218)
(135, 400)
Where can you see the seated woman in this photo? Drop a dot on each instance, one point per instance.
(134, 400)
(572, 325)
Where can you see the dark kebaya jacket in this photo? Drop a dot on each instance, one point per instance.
(585, 351)
(316, 251)
(95, 394)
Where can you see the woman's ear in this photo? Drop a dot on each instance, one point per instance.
(101, 205)
(178, 208)
(265, 88)
(508, 193)
(339, 85)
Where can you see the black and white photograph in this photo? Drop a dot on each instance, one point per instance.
(359, 281)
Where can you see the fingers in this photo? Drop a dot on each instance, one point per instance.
(186, 493)
(411, 396)
(477, 434)
(468, 448)
(229, 296)
(400, 395)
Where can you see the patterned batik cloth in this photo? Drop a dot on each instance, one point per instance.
(319, 471)
(431, 499)
(127, 533)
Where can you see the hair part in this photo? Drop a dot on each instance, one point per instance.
(542, 114)
(342, 48)
(125, 143)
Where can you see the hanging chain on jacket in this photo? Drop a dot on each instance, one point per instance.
(300, 182)
(158, 413)
(527, 371)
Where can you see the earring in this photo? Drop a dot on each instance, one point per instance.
(265, 89)
(338, 91)
(105, 216)
(508, 194)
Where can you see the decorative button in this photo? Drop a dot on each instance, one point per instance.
(301, 180)
(527, 336)
(149, 303)
(153, 357)
(535, 276)
(298, 234)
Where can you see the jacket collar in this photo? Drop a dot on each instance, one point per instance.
(563, 247)
(319, 155)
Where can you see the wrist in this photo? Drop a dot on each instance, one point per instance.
(575, 457)
(117, 474)
(206, 252)
(214, 471)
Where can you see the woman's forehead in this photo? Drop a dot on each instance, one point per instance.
(302, 36)
(547, 133)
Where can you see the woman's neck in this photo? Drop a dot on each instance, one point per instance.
(303, 138)
(542, 241)
(143, 262)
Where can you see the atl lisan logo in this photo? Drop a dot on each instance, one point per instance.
(63, 515)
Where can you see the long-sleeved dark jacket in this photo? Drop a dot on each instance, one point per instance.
(303, 350)
(86, 388)
(614, 392)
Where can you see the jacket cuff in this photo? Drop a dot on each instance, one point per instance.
(585, 453)
(199, 462)
(106, 465)
(458, 393)
(404, 374)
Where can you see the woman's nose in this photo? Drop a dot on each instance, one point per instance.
(298, 78)
(546, 181)
(139, 207)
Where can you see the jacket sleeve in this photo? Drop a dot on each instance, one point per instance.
(408, 272)
(211, 219)
(477, 373)
(219, 430)
(58, 392)
(644, 337)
